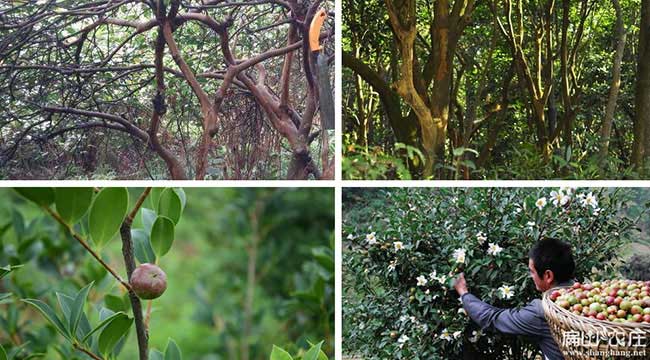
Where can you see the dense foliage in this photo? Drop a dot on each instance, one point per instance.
(159, 89)
(495, 89)
(246, 269)
(404, 247)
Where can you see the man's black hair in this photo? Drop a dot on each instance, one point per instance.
(555, 255)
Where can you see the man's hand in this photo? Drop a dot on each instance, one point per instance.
(460, 285)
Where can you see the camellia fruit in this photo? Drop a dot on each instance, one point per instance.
(618, 300)
(148, 281)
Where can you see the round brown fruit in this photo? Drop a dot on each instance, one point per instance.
(148, 281)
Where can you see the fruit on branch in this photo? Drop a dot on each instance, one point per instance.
(148, 281)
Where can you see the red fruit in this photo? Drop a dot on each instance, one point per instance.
(563, 304)
(637, 318)
(577, 285)
(587, 287)
(646, 318)
(148, 281)
(610, 300)
(618, 301)
(577, 307)
(621, 314)
(636, 309)
(554, 295)
(601, 316)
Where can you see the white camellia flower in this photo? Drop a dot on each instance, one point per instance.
(402, 340)
(506, 292)
(371, 239)
(590, 200)
(351, 237)
(427, 292)
(392, 265)
(457, 334)
(481, 237)
(540, 203)
(530, 224)
(422, 280)
(559, 198)
(459, 255)
(494, 249)
(445, 335)
(596, 211)
(462, 311)
(398, 245)
(441, 279)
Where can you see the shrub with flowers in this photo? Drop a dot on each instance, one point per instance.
(404, 247)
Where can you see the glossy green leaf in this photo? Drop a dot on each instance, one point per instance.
(148, 218)
(78, 307)
(111, 334)
(156, 355)
(279, 353)
(3, 353)
(43, 196)
(115, 303)
(162, 235)
(107, 213)
(170, 205)
(154, 196)
(142, 246)
(73, 203)
(103, 323)
(50, 316)
(172, 352)
(4, 270)
(313, 352)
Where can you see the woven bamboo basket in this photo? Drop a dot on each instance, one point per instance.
(598, 339)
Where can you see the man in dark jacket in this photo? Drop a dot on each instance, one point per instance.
(551, 264)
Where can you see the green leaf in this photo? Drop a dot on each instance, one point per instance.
(181, 195)
(148, 218)
(154, 196)
(5, 298)
(106, 214)
(313, 352)
(4, 270)
(3, 353)
(142, 246)
(72, 203)
(42, 196)
(172, 352)
(114, 330)
(170, 205)
(103, 323)
(50, 316)
(278, 353)
(78, 307)
(156, 355)
(162, 235)
(115, 303)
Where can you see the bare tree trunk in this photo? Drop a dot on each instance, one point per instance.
(606, 129)
(640, 149)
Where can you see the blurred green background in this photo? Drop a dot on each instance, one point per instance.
(215, 265)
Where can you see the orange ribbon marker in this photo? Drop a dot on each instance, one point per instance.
(314, 30)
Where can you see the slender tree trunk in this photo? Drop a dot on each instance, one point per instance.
(606, 129)
(641, 145)
(251, 281)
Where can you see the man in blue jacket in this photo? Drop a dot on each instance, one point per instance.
(551, 264)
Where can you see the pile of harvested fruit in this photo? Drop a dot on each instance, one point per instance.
(613, 300)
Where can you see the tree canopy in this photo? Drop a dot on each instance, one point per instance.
(165, 89)
(495, 89)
